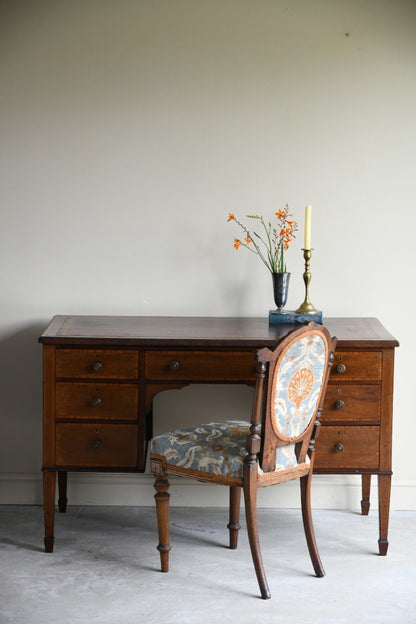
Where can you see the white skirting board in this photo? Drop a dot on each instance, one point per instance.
(328, 492)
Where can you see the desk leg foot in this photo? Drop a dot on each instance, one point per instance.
(366, 487)
(62, 487)
(49, 480)
(384, 488)
(49, 542)
(383, 547)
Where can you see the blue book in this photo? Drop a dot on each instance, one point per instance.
(290, 316)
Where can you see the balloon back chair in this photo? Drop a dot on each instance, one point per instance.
(277, 446)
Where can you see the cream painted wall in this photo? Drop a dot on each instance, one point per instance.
(130, 129)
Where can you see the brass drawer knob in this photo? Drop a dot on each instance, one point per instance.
(97, 366)
(96, 445)
(174, 366)
(339, 405)
(339, 447)
(96, 402)
(341, 368)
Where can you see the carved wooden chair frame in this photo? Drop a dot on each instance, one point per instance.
(259, 469)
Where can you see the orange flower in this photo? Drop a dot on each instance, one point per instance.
(276, 240)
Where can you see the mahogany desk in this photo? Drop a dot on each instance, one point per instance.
(101, 373)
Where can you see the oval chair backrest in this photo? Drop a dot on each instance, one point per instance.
(297, 374)
(296, 385)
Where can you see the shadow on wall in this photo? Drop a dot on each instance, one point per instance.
(21, 400)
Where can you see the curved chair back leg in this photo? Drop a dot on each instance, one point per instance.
(250, 501)
(305, 491)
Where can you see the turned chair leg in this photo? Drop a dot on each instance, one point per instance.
(305, 490)
(234, 524)
(250, 501)
(162, 497)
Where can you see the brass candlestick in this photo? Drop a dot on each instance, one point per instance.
(307, 307)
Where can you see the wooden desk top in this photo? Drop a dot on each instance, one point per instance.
(201, 331)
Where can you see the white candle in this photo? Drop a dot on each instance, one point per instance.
(308, 215)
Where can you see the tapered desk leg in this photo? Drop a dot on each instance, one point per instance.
(62, 484)
(366, 488)
(49, 479)
(384, 487)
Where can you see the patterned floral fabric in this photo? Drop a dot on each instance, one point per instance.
(217, 448)
(298, 382)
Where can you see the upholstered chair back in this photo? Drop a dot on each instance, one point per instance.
(296, 380)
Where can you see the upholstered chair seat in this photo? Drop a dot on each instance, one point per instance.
(216, 448)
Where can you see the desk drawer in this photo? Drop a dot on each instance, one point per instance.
(350, 447)
(106, 446)
(352, 403)
(356, 365)
(96, 401)
(97, 364)
(200, 365)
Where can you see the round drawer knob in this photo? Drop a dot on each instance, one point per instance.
(341, 368)
(174, 366)
(97, 366)
(96, 445)
(339, 404)
(339, 447)
(96, 402)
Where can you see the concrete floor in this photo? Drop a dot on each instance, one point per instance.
(104, 569)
